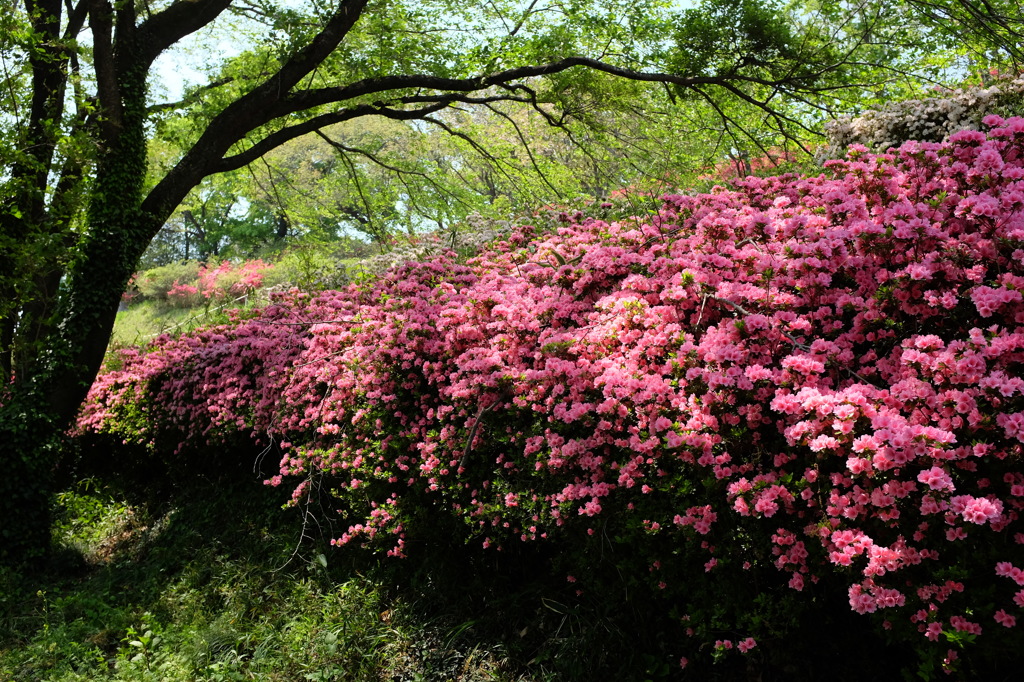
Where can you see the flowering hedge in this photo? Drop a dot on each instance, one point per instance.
(816, 379)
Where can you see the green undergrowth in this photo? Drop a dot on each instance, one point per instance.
(210, 580)
(214, 587)
(218, 583)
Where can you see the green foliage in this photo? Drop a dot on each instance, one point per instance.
(311, 267)
(156, 282)
(577, 132)
(989, 34)
(86, 515)
(182, 595)
(716, 36)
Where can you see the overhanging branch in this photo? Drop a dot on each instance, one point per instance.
(276, 139)
(451, 87)
(182, 18)
(308, 99)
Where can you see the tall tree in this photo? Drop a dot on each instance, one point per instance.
(77, 206)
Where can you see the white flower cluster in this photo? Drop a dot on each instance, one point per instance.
(478, 232)
(467, 239)
(931, 119)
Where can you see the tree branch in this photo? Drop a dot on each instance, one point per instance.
(274, 99)
(248, 112)
(192, 96)
(526, 146)
(101, 16)
(276, 139)
(400, 172)
(183, 17)
(77, 15)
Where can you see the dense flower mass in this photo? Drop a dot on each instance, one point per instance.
(814, 377)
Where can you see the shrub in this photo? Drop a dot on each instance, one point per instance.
(930, 119)
(309, 267)
(229, 281)
(770, 397)
(465, 239)
(158, 282)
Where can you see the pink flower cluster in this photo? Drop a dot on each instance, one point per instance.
(831, 362)
(231, 281)
(183, 295)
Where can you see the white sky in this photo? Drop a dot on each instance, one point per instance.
(183, 64)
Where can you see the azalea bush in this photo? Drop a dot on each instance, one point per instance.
(189, 284)
(929, 119)
(229, 280)
(795, 392)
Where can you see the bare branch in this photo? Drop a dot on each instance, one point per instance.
(400, 172)
(193, 97)
(526, 146)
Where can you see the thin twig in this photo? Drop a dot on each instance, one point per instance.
(802, 346)
(472, 433)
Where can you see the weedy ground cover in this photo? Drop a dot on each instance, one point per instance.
(215, 582)
(213, 587)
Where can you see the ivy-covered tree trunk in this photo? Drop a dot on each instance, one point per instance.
(41, 403)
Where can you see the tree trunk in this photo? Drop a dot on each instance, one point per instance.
(41, 403)
(27, 451)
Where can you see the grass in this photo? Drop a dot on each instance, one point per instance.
(149, 318)
(146, 319)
